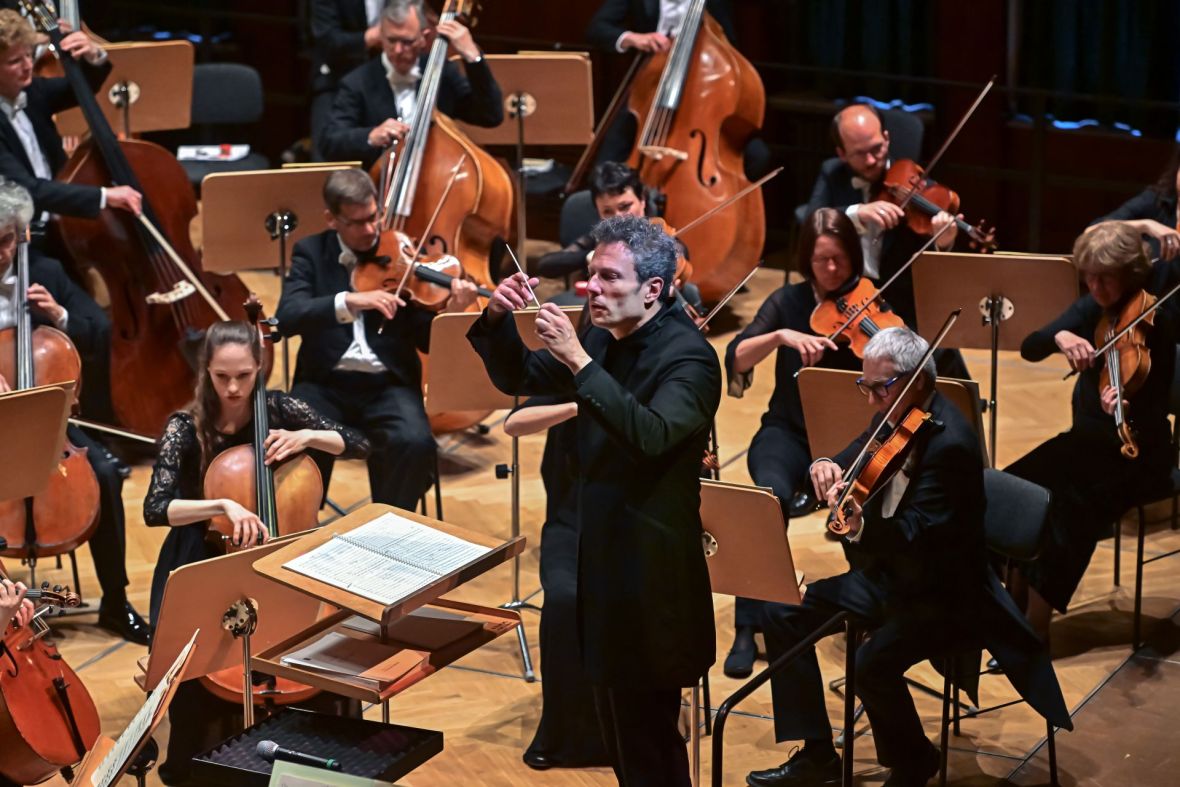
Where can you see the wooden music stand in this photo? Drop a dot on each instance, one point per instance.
(150, 88)
(835, 412)
(243, 213)
(457, 380)
(487, 622)
(33, 422)
(1023, 291)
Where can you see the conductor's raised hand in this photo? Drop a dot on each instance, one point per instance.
(561, 339)
(512, 294)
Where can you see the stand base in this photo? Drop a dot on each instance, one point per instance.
(522, 639)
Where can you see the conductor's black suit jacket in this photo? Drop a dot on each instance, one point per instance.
(645, 405)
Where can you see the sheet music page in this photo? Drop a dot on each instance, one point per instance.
(386, 559)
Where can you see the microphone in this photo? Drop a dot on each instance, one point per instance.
(271, 751)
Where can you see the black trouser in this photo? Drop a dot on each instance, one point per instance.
(108, 545)
(568, 732)
(402, 462)
(321, 112)
(778, 458)
(639, 728)
(897, 642)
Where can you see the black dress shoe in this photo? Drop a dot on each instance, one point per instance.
(917, 773)
(802, 770)
(740, 661)
(126, 622)
(537, 761)
(802, 504)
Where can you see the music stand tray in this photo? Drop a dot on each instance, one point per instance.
(158, 77)
(365, 749)
(1019, 292)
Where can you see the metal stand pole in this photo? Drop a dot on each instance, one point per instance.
(280, 225)
(516, 603)
(995, 309)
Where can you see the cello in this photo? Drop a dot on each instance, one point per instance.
(478, 208)
(48, 720)
(65, 514)
(697, 106)
(161, 300)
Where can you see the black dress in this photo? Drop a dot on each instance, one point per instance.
(568, 733)
(779, 454)
(198, 719)
(1092, 483)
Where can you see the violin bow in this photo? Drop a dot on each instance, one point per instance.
(1129, 327)
(430, 225)
(713, 312)
(951, 138)
(914, 375)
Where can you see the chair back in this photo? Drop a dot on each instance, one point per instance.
(1017, 511)
(906, 131)
(226, 93)
(578, 216)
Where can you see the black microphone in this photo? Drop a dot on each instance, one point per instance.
(271, 751)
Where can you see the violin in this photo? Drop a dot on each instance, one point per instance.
(286, 499)
(697, 105)
(854, 317)
(65, 514)
(905, 184)
(48, 720)
(1126, 359)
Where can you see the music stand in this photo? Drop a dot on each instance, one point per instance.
(555, 91)
(153, 78)
(243, 213)
(1025, 291)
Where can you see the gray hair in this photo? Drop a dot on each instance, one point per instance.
(16, 205)
(653, 251)
(348, 186)
(903, 348)
(398, 11)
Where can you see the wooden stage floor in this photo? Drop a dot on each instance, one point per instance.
(1124, 707)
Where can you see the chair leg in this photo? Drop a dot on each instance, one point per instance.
(694, 737)
(848, 755)
(437, 488)
(1176, 512)
(1052, 755)
(955, 695)
(1118, 541)
(705, 700)
(944, 740)
(1137, 622)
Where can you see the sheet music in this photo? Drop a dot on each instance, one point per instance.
(386, 559)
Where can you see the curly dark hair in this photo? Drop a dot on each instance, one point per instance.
(653, 250)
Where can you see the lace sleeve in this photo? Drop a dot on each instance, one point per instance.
(289, 412)
(178, 443)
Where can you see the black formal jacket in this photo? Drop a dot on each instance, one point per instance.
(645, 404)
(1147, 204)
(47, 96)
(615, 17)
(338, 33)
(365, 100)
(833, 189)
(307, 309)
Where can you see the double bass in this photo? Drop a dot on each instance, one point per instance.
(697, 106)
(161, 300)
(478, 207)
(65, 514)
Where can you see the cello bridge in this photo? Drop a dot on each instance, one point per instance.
(179, 291)
(658, 152)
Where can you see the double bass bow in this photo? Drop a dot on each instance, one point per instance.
(161, 300)
(697, 106)
(877, 462)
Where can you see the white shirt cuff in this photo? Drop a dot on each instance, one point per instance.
(853, 212)
(102, 197)
(855, 539)
(343, 313)
(62, 321)
(100, 57)
(619, 42)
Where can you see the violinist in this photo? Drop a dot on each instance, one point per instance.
(31, 150)
(60, 303)
(1154, 213)
(830, 261)
(375, 104)
(344, 34)
(220, 416)
(358, 361)
(916, 559)
(1091, 480)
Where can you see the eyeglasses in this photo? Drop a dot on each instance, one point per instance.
(881, 389)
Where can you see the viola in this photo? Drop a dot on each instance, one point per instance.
(65, 514)
(1126, 359)
(906, 184)
(48, 720)
(286, 499)
(161, 299)
(697, 106)
(431, 280)
(854, 317)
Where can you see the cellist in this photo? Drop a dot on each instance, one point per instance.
(375, 103)
(58, 302)
(1091, 480)
(358, 358)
